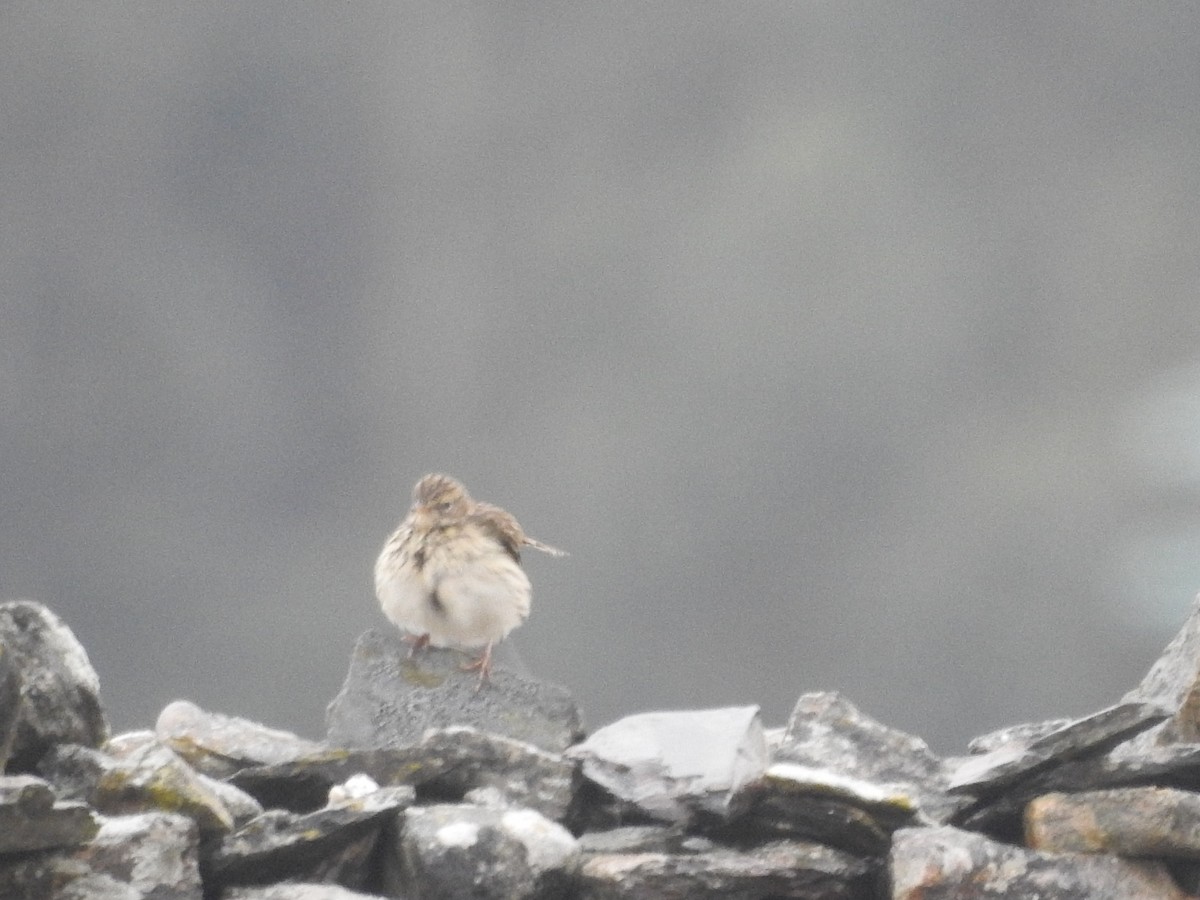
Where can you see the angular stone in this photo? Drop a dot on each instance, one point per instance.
(296, 891)
(988, 773)
(219, 745)
(945, 863)
(1159, 822)
(776, 869)
(816, 804)
(303, 785)
(155, 854)
(1022, 735)
(642, 839)
(332, 844)
(1173, 682)
(148, 778)
(390, 700)
(677, 766)
(520, 773)
(459, 850)
(447, 762)
(826, 733)
(30, 819)
(11, 704)
(60, 689)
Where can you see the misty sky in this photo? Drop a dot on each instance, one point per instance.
(844, 346)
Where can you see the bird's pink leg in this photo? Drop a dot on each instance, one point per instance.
(483, 664)
(415, 642)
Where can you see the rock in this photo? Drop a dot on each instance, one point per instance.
(447, 762)
(60, 689)
(1173, 682)
(242, 807)
(219, 745)
(945, 863)
(827, 734)
(295, 891)
(677, 766)
(642, 839)
(30, 819)
(1023, 735)
(155, 854)
(332, 844)
(776, 869)
(1014, 761)
(11, 704)
(459, 850)
(520, 774)
(1159, 822)
(390, 700)
(148, 778)
(816, 804)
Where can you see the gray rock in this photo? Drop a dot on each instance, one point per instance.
(946, 863)
(642, 839)
(1023, 735)
(219, 745)
(459, 850)
(242, 807)
(776, 869)
(30, 819)
(390, 700)
(1012, 762)
(148, 778)
(1173, 682)
(333, 844)
(815, 804)
(1148, 821)
(677, 766)
(831, 741)
(11, 703)
(448, 762)
(60, 689)
(155, 854)
(520, 774)
(295, 891)
(98, 886)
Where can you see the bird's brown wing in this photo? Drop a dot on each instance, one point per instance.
(502, 526)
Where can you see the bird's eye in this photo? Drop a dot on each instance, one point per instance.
(444, 507)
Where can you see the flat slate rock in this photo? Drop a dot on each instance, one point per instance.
(776, 869)
(389, 699)
(31, 819)
(1012, 762)
(945, 863)
(827, 733)
(447, 762)
(219, 745)
(461, 850)
(334, 843)
(1146, 821)
(1173, 681)
(60, 689)
(676, 766)
(154, 854)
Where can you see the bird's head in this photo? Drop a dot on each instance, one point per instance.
(441, 497)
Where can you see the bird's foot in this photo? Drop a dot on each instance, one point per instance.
(483, 665)
(415, 642)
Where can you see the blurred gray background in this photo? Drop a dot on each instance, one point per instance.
(845, 346)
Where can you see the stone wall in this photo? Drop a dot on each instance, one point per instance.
(426, 787)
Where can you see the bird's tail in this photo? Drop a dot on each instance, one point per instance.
(545, 548)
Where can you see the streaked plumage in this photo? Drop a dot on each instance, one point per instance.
(450, 575)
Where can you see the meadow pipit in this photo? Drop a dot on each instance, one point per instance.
(450, 575)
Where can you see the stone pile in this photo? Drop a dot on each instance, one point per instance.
(425, 788)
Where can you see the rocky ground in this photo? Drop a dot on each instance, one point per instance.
(426, 788)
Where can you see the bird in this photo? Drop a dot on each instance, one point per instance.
(450, 574)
